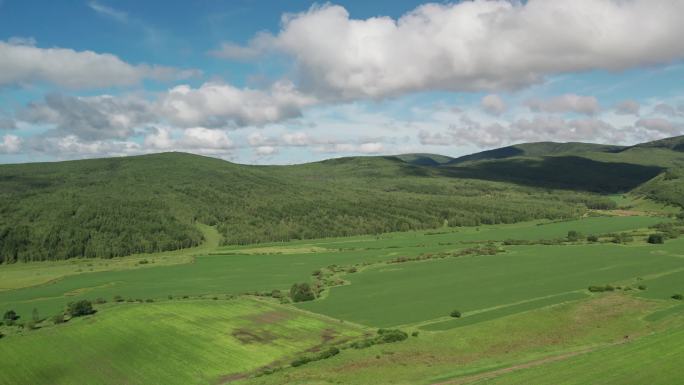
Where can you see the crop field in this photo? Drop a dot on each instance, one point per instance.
(192, 316)
(406, 293)
(227, 271)
(172, 342)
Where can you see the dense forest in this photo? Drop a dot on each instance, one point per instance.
(121, 206)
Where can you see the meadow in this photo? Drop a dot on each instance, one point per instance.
(207, 315)
(203, 341)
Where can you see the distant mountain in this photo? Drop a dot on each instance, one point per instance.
(538, 149)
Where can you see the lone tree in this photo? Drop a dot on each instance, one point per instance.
(10, 317)
(655, 239)
(80, 308)
(574, 236)
(455, 314)
(301, 292)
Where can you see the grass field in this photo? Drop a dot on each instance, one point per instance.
(173, 342)
(655, 359)
(523, 304)
(406, 293)
(463, 353)
(234, 272)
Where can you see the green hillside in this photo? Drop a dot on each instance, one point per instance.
(151, 203)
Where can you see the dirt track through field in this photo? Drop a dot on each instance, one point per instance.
(526, 365)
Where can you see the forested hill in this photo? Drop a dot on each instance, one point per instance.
(120, 206)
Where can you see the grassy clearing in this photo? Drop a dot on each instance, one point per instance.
(436, 357)
(20, 275)
(408, 293)
(173, 342)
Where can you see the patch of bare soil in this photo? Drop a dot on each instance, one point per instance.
(247, 336)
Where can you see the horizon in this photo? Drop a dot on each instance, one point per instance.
(300, 82)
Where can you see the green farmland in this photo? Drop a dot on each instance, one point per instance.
(410, 280)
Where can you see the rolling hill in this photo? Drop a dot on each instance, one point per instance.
(121, 206)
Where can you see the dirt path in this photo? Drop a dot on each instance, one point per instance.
(526, 365)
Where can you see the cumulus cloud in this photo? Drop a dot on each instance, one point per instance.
(72, 147)
(195, 139)
(90, 118)
(493, 104)
(628, 107)
(217, 104)
(552, 128)
(663, 126)
(24, 64)
(472, 45)
(265, 150)
(587, 105)
(10, 144)
(362, 148)
(669, 110)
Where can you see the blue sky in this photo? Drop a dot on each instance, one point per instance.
(296, 81)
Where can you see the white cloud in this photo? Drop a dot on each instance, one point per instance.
(91, 118)
(660, 125)
(72, 147)
(195, 139)
(539, 128)
(24, 64)
(102, 9)
(669, 110)
(472, 45)
(351, 148)
(587, 105)
(265, 150)
(628, 107)
(218, 105)
(10, 144)
(493, 104)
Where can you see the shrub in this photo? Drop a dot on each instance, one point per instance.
(333, 351)
(143, 262)
(276, 294)
(455, 314)
(80, 308)
(58, 319)
(678, 297)
(118, 298)
(10, 315)
(655, 239)
(641, 287)
(592, 238)
(414, 334)
(100, 301)
(301, 292)
(300, 361)
(390, 335)
(574, 236)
